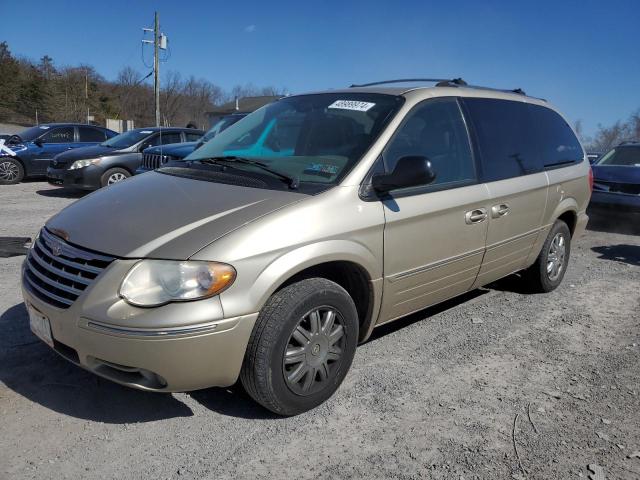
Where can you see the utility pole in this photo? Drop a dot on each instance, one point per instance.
(156, 66)
(159, 42)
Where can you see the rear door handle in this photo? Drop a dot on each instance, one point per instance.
(501, 210)
(475, 216)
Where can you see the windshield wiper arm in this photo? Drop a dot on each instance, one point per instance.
(293, 182)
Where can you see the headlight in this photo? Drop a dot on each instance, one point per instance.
(151, 283)
(83, 163)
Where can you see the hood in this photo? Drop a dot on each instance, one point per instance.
(616, 173)
(179, 150)
(85, 153)
(161, 216)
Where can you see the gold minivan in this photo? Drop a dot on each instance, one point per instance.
(269, 253)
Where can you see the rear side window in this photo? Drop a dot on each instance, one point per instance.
(94, 135)
(167, 138)
(557, 142)
(505, 136)
(193, 137)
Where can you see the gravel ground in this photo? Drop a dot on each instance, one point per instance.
(434, 395)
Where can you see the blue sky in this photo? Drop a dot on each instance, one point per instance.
(584, 56)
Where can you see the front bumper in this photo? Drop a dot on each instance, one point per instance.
(177, 347)
(87, 178)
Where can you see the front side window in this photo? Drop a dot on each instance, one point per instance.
(436, 130)
(59, 135)
(622, 156)
(316, 139)
(506, 137)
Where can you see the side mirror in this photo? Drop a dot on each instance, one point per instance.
(38, 142)
(411, 171)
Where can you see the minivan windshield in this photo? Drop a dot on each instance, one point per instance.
(126, 139)
(313, 138)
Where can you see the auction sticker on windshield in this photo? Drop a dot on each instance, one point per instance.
(40, 325)
(352, 105)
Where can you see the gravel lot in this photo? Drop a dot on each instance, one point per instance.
(432, 396)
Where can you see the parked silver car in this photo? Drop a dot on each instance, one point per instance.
(272, 251)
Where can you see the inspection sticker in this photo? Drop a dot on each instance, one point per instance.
(352, 105)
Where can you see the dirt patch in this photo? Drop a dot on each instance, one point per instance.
(430, 396)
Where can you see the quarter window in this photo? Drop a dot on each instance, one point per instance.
(557, 143)
(59, 135)
(435, 130)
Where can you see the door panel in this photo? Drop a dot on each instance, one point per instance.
(511, 236)
(430, 252)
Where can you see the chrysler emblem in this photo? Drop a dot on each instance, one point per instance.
(56, 249)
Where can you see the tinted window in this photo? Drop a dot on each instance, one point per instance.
(167, 138)
(435, 130)
(127, 139)
(59, 135)
(505, 136)
(626, 156)
(88, 134)
(557, 143)
(193, 137)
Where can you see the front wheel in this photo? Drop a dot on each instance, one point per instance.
(114, 175)
(301, 347)
(11, 171)
(548, 271)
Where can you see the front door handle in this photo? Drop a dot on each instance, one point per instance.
(475, 216)
(501, 210)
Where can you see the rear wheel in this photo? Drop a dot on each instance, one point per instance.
(548, 271)
(301, 347)
(114, 175)
(11, 171)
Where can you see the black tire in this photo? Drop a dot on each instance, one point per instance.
(538, 276)
(113, 172)
(11, 171)
(268, 377)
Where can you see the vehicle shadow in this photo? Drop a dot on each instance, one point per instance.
(612, 222)
(62, 193)
(620, 253)
(404, 322)
(33, 370)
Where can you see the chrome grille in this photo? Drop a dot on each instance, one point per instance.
(57, 272)
(151, 161)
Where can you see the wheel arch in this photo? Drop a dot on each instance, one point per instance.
(347, 263)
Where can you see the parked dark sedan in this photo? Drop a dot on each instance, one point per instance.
(155, 157)
(616, 186)
(114, 160)
(28, 153)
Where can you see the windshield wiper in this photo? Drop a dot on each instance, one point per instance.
(292, 182)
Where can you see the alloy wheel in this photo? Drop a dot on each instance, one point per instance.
(556, 256)
(115, 178)
(314, 351)
(9, 171)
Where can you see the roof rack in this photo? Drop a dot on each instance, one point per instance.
(629, 142)
(441, 82)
